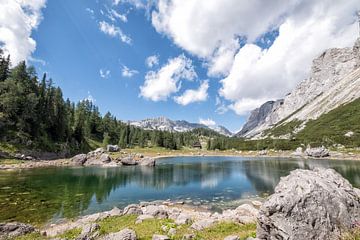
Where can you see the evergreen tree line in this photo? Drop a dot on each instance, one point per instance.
(34, 113)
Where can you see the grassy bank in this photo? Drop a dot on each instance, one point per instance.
(148, 228)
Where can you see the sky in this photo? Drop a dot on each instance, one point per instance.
(206, 61)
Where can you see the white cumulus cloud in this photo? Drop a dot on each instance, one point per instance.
(18, 18)
(207, 122)
(193, 95)
(152, 61)
(159, 85)
(113, 31)
(212, 30)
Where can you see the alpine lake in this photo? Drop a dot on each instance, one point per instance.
(48, 195)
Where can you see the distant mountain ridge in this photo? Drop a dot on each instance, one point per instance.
(166, 124)
(334, 80)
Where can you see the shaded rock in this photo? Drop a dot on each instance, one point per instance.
(183, 218)
(125, 234)
(132, 209)
(15, 229)
(232, 237)
(150, 162)
(89, 232)
(105, 158)
(112, 148)
(157, 211)
(160, 237)
(79, 159)
(128, 161)
(308, 204)
(317, 152)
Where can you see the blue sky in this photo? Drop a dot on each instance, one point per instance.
(74, 49)
(215, 60)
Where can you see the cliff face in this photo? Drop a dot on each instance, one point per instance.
(258, 116)
(334, 80)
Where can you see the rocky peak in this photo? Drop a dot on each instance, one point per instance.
(328, 70)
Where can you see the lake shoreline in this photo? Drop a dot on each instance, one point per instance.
(66, 162)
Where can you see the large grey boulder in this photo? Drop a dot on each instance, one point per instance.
(125, 234)
(128, 161)
(132, 209)
(105, 158)
(308, 204)
(15, 229)
(318, 152)
(79, 159)
(112, 148)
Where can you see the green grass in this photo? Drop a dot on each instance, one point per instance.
(71, 234)
(147, 228)
(352, 235)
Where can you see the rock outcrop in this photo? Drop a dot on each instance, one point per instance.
(12, 230)
(334, 80)
(258, 116)
(317, 204)
(318, 152)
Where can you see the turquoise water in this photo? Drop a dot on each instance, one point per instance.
(45, 195)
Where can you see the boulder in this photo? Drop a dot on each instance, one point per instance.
(182, 219)
(317, 152)
(89, 231)
(79, 159)
(112, 148)
(298, 152)
(14, 229)
(132, 209)
(105, 158)
(202, 223)
(160, 237)
(96, 153)
(125, 234)
(149, 162)
(349, 134)
(316, 204)
(263, 152)
(128, 161)
(157, 211)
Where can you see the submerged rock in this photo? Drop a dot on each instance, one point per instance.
(15, 229)
(317, 204)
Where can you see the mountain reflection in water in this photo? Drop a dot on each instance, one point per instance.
(43, 195)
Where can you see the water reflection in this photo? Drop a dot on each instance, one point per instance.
(42, 195)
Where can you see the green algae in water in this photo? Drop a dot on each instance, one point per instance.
(41, 196)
